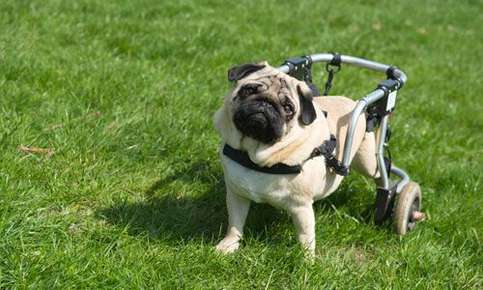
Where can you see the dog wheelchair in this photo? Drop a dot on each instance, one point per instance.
(401, 199)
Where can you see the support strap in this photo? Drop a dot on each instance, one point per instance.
(327, 150)
(332, 68)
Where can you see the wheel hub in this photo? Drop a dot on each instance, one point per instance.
(414, 215)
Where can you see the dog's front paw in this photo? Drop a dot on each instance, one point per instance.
(227, 246)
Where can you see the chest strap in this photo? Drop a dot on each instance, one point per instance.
(326, 149)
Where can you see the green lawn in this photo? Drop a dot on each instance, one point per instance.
(131, 194)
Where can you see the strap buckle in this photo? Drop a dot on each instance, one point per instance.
(332, 68)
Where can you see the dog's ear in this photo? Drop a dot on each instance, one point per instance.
(240, 71)
(307, 109)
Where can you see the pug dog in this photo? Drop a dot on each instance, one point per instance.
(273, 120)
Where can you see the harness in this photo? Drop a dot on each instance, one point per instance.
(326, 150)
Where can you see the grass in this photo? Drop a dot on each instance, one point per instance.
(132, 196)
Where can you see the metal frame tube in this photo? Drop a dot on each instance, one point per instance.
(381, 140)
(403, 175)
(356, 61)
(356, 113)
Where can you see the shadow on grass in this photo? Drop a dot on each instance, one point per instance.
(167, 215)
(352, 203)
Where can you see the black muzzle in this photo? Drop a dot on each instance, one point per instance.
(260, 120)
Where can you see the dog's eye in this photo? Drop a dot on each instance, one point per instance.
(289, 110)
(248, 90)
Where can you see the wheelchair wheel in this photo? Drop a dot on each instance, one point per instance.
(408, 208)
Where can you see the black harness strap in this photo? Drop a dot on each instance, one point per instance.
(242, 158)
(326, 149)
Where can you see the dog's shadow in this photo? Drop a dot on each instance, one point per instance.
(167, 214)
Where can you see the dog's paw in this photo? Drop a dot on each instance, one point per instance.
(309, 256)
(227, 246)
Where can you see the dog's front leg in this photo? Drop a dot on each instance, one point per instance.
(304, 220)
(237, 213)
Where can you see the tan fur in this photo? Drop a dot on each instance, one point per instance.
(294, 193)
(225, 127)
(284, 153)
(340, 109)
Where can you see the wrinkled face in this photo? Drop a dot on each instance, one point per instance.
(265, 106)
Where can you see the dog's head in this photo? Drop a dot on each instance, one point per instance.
(265, 104)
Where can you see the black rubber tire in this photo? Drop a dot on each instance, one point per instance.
(409, 200)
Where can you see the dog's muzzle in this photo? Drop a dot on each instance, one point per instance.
(260, 120)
